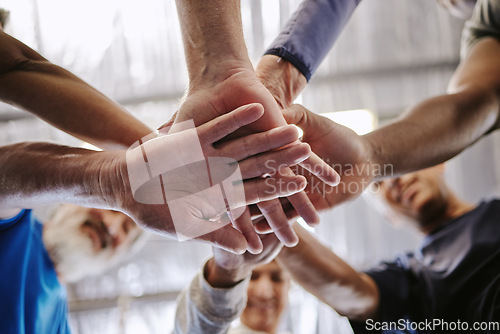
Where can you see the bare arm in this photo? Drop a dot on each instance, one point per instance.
(440, 128)
(44, 173)
(432, 132)
(213, 40)
(329, 278)
(184, 205)
(30, 82)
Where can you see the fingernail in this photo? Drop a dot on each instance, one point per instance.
(255, 250)
(288, 238)
(332, 179)
(291, 240)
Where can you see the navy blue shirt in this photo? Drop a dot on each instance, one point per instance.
(311, 32)
(455, 274)
(31, 298)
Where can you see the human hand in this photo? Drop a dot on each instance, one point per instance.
(179, 197)
(225, 269)
(242, 86)
(348, 152)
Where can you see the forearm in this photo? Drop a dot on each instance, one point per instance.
(213, 39)
(41, 173)
(329, 278)
(433, 131)
(439, 128)
(32, 83)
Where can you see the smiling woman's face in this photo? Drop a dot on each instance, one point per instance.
(83, 241)
(267, 298)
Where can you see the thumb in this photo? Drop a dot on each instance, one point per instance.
(226, 238)
(296, 114)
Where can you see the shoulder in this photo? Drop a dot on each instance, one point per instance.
(485, 22)
(394, 274)
(487, 207)
(494, 202)
(492, 208)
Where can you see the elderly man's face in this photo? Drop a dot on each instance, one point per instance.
(459, 8)
(267, 297)
(419, 196)
(84, 241)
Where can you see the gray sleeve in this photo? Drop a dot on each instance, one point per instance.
(311, 32)
(485, 22)
(203, 309)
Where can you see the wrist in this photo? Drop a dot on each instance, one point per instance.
(373, 158)
(281, 78)
(106, 179)
(219, 277)
(210, 72)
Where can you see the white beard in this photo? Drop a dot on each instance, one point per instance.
(71, 250)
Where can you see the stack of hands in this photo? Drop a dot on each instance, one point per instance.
(303, 166)
(241, 113)
(246, 123)
(298, 181)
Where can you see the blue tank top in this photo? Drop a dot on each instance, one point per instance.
(31, 298)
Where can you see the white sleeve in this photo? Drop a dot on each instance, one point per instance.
(203, 309)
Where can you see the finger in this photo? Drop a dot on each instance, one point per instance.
(272, 162)
(260, 223)
(226, 238)
(298, 115)
(223, 125)
(295, 114)
(250, 145)
(304, 208)
(271, 248)
(254, 211)
(269, 241)
(244, 224)
(261, 226)
(276, 218)
(257, 190)
(301, 202)
(321, 169)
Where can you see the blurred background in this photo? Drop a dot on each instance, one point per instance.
(392, 54)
